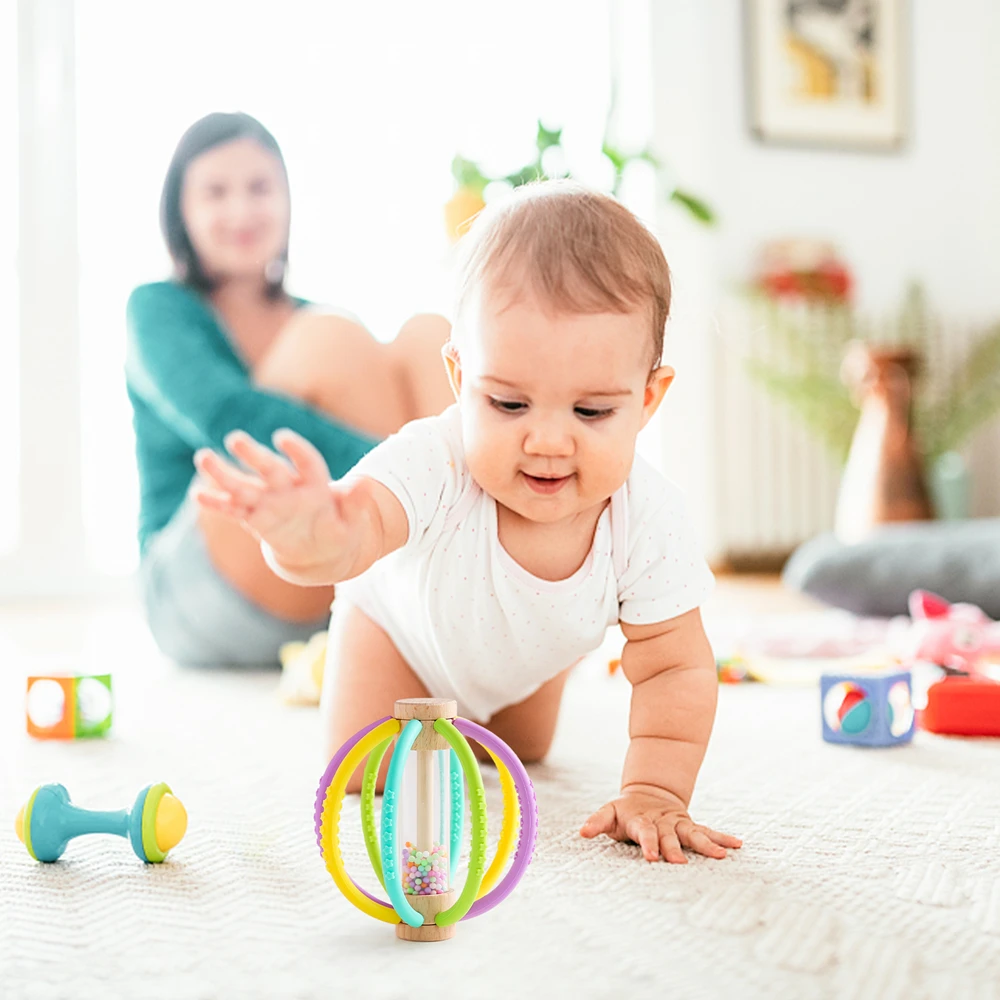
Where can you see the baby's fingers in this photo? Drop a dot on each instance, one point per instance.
(220, 502)
(308, 461)
(697, 838)
(603, 821)
(223, 477)
(723, 839)
(670, 846)
(273, 469)
(643, 831)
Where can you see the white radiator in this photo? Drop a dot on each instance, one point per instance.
(777, 483)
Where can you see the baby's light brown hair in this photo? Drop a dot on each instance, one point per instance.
(575, 250)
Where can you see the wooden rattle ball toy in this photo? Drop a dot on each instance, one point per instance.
(154, 825)
(419, 878)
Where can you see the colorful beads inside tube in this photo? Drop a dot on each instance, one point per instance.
(425, 873)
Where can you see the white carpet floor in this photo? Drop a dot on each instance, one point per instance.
(866, 873)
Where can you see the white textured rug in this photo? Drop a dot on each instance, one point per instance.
(866, 874)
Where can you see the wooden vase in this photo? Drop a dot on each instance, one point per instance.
(883, 479)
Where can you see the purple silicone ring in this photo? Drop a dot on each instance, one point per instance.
(331, 770)
(529, 815)
(324, 784)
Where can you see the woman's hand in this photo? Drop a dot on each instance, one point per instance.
(312, 527)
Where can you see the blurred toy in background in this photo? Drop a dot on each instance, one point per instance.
(68, 706)
(963, 642)
(961, 705)
(867, 710)
(958, 637)
(802, 270)
(732, 670)
(302, 666)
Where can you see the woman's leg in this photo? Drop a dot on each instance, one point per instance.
(417, 352)
(333, 363)
(365, 674)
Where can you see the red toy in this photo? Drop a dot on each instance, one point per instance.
(963, 706)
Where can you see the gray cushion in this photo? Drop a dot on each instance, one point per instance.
(960, 560)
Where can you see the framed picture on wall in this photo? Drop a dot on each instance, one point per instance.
(827, 72)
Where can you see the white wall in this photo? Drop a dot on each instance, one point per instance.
(929, 212)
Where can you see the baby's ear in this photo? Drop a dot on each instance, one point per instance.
(656, 387)
(453, 366)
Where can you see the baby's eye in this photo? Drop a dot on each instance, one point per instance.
(506, 405)
(589, 413)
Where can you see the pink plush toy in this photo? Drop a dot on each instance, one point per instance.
(958, 637)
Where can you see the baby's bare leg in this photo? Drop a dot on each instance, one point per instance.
(529, 726)
(417, 354)
(365, 674)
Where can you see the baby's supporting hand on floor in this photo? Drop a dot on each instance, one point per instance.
(659, 823)
(674, 689)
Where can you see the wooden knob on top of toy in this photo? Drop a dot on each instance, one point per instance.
(425, 709)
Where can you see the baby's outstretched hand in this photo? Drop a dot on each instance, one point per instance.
(286, 500)
(660, 825)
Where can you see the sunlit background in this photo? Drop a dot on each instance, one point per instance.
(370, 102)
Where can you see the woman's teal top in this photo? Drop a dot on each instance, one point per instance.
(189, 389)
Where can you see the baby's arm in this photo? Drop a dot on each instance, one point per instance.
(312, 531)
(674, 689)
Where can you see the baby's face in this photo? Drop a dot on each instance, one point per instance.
(551, 403)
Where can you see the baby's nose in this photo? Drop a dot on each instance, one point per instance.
(549, 437)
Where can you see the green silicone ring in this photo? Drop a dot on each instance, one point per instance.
(368, 807)
(477, 813)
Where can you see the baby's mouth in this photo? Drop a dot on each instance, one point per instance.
(546, 484)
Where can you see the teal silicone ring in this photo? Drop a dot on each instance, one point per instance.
(456, 777)
(390, 825)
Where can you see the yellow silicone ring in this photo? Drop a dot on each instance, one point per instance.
(330, 824)
(508, 833)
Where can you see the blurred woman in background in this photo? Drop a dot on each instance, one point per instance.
(222, 346)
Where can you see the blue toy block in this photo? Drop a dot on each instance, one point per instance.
(870, 710)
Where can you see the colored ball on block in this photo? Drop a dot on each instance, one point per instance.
(847, 708)
(867, 709)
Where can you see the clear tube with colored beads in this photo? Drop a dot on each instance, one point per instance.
(424, 853)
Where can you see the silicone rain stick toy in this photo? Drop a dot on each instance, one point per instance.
(418, 877)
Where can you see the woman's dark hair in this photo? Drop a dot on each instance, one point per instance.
(206, 133)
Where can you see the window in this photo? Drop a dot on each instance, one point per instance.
(9, 357)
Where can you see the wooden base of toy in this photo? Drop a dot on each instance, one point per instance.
(429, 906)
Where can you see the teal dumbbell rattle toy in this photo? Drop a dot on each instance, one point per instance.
(153, 826)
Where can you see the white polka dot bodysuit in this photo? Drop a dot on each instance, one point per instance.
(476, 626)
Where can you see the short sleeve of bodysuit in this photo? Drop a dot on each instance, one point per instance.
(423, 465)
(666, 574)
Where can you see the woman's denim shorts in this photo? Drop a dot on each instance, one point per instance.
(195, 615)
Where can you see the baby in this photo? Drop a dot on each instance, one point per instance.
(490, 547)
